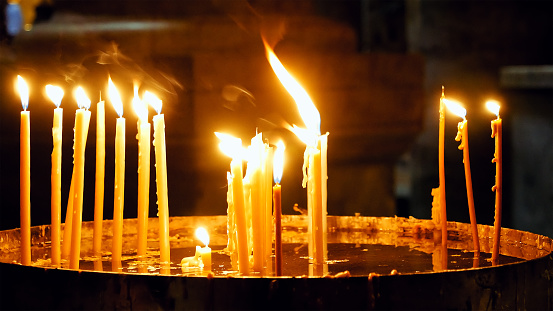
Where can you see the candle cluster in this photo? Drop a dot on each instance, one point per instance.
(249, 203)
(439, 193)
(250, 212)
(70, 249)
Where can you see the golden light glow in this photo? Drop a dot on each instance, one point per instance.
(23, 90)
(493, 106)
(231, 146)
(152, 100)
(55, 93)
(82, 99)
(455, 107)
(115, 98)
(202, 235)
(306, 107)
(139, 106)
(278, 162)
(305, 135)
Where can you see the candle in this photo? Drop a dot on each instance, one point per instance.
(119, 183)
(315, 170)
(497, 129)
(55, 93)
(100, 176)
(232, 147)
(277, 175)
(82, 120)
(205, 252)
(143, 137)
(25, 173)
(268, 198)
(161, 177)
(462, 135)
(253, 174)
(441, 172)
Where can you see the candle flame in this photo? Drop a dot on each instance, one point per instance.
(82, 98)
(23, 90)
(139, 106)
(306, 107)
(231, 146)
(455, 107)
(55, 93)
(115, 98)
(493, 106)
(153, 101)
(202, 235)
(278, 162)
(305, 135)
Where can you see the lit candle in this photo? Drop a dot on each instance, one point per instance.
(441, 172)
(268, 198)
(55, 93)
(463, 136)
(82, 120)
(253, 174)
(497, 129)
(161, 177)
(100, 177)
(143, 171)
(277, 175)
(119, 183)
(25, 173)
(232, 147)
(205, 252)
(315, 158)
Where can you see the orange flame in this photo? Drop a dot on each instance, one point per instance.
(306, 107)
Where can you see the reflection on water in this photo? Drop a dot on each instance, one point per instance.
(358, 259)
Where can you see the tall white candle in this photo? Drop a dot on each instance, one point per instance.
(119, 182)
(315, 171)
(232, 147)
(82, 121)
(143, 137)
(25, 173)
(161, 177)
(55, 94)
(497, 131)
(100, 177)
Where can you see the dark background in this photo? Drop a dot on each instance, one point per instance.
(463, 45)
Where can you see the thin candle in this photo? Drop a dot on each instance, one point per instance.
(462, 135)
(119, 182)
(143, 137)
(278, 163)
(100, 177)
(161, 177)
(441, 171)
(232, 147)
(82, 121)
(55, 93)
(25, 173)
(315, 169)
(253, 175)
(497, 131)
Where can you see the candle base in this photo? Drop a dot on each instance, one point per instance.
(348, 246)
